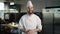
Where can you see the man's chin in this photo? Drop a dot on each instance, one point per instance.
(30, 13)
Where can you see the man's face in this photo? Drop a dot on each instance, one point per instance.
(30, 9)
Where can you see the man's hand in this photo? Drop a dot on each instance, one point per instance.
(33, 31)
(23, 30)
(30, 31)
(27, 32)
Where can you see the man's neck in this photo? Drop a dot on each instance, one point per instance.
(30, 14)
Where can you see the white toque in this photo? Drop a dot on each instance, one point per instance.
(29, 3)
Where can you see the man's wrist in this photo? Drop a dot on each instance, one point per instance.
(36, 30)
(23, 30)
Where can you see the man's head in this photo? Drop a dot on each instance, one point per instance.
(30, 7)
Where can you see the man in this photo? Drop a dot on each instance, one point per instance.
(30, 23)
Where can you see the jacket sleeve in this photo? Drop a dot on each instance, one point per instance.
(39, 25)
(20, 25)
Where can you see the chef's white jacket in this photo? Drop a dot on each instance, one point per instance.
(30, 22)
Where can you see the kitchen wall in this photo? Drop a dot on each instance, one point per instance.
(38, 4)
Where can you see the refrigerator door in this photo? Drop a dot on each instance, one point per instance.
(57, 21)
(48, 21)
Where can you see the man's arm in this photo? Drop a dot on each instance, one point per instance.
(23, 30)
(37, 30)
(21, 25)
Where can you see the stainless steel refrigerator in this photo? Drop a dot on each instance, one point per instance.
(51, 20)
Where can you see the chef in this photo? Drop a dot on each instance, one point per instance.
(30, 23)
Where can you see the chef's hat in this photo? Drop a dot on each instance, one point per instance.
(29, 3)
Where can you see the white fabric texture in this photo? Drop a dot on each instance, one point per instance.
(30, 22)
(29, 3)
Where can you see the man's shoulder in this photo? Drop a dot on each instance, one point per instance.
(36, 16)
(23, 16)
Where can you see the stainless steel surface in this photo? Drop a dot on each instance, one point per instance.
(48, 21)
(51, 20)
(57, 15)
(57, 21)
